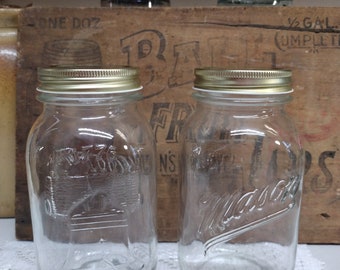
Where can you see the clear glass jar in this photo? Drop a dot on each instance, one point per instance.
(255, 2)
(242, 173)
(91, 172)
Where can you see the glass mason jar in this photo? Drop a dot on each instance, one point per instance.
(255, 2)
(242, 172)
(91, 172)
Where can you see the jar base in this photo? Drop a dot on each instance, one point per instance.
(252, 256)
(107, 257)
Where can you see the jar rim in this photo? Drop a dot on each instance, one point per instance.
(267, 92)
(121, 79)
(252, 81)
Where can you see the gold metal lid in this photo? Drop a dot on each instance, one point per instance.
(243, 81)
(88, 80)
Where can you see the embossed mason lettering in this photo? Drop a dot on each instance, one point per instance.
(226, 215)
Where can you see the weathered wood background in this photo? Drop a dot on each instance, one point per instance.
(167, 44)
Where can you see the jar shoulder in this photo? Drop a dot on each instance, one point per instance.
(125, 129)
(202, 126)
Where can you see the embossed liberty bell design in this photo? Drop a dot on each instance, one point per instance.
(91, 172)
(242, 173)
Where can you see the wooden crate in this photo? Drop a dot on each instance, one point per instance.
(167, 44)
(8, 42)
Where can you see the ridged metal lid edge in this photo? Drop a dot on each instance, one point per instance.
(118, 79)
(243, 81)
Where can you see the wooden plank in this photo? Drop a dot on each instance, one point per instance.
(167, 44)
(8, 41)
(66, 3)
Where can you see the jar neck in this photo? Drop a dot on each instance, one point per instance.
(88, 100)
(245, 101)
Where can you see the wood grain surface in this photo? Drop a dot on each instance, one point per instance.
(167, 44)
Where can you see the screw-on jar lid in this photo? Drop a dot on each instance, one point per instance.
(243, 81)
(87, 80)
